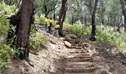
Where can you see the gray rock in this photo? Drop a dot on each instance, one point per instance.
(124, 53)
(102, 71)
(67, 44)
(97, 58)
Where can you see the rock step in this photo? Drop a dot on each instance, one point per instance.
(80, 70)
(80, 64)
(77, 51)
(79, 59)
(71, 55)
(78, 73)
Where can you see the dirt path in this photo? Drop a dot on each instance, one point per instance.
(81, 60)
(77, 57)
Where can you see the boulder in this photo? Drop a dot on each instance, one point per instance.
(67, 44)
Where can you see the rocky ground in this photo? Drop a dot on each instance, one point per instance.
(71, 55)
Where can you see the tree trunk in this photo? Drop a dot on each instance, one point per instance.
(22, 38)
(102, 19)
(72, 20)
(17, 3)
(14, 20)
(92, 38)
(125, 23)
(62, 15)
(45, 9)
(54, 15)
(123, 5)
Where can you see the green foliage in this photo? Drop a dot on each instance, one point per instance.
(40, 19)
(4, 55)
(32, 29)
(67, 26)
(4, 25)
(15, 53)
(77, 29)
(4, 28)
(9, 9)
(104, 34)
(87, 30)
(107, 34)
(37, 41)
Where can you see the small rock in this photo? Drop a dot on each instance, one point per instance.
(102, 71)
(62, 38)
(67, 44)
(124, 53)
(73, 36)
(98, 58)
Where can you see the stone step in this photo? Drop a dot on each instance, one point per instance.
(78, 73)
(79, 59)
(80, 70)
(80, 64)
(71, 55)
(76, 50)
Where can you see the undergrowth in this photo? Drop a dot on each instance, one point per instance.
(4, 55)
(37, 41)
(4, 48)
(6, 51)
(104, 34)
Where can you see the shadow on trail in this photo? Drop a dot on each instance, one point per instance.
(59, 66)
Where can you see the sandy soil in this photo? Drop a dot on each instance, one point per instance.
(51, 60)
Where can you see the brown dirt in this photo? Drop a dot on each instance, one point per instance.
(56, 58)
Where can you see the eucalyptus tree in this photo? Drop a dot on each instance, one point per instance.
(92, 38)
(62, 15)
(123, 5)
(47, 6)
(8, 2)
(101, 11)
(23, 20)
(71, 14)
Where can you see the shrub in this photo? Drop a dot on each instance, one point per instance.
(107, 34)
(4, 28)
(40, 19)
(37, 41)
(4, 55)
(4, 25)
(77, 29)
(67, 26)
(104, 34)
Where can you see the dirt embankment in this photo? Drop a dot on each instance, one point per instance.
(54, 58)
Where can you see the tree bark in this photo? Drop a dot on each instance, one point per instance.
(14, 20)
(123, 5)
(62, 15)
(92, 38)
(22, 38)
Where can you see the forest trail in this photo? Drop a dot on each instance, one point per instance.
(69, 55)
(81, 59)
(79, 63)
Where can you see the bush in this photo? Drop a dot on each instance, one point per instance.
(104, 34)
(4, 55)
(37, 41)
(10, 9)
(76, 28)
(4, 25)
(67, 26)
(4, 28)
(107, 34)
(40, 19)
